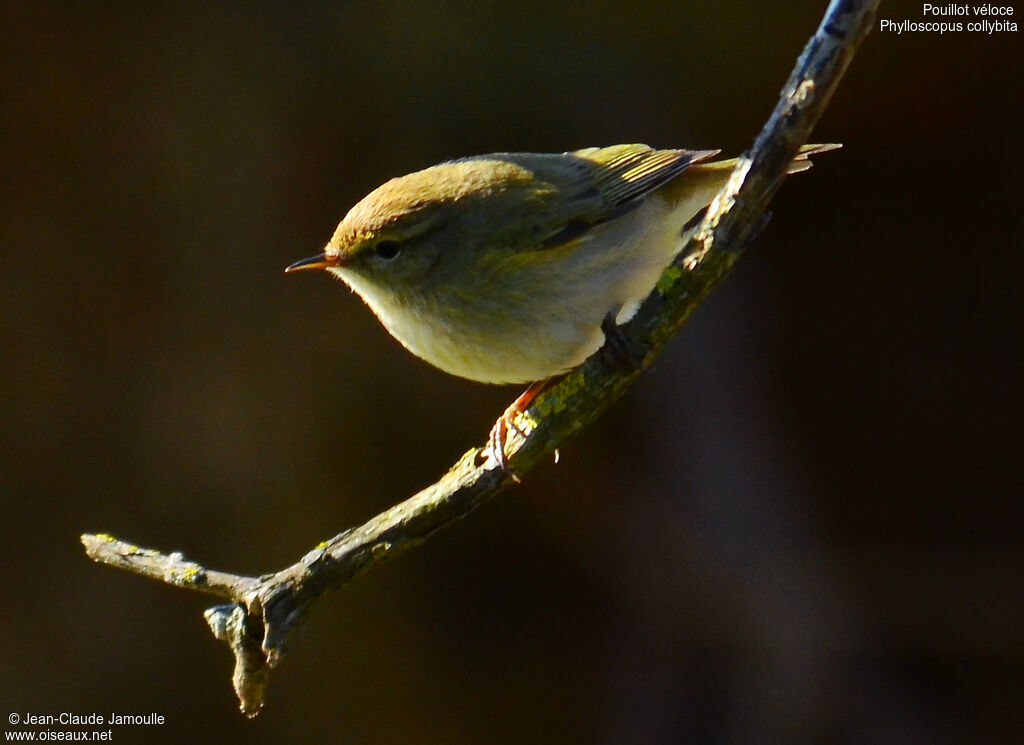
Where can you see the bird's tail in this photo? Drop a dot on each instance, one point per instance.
(698, 184)
(802, 161)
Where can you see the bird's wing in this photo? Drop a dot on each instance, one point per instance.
(599, 184)
(626, 173)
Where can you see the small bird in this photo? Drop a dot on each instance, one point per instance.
(508, 267)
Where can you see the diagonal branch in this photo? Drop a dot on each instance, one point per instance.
(265, 609)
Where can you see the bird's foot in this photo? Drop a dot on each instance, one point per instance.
(508, 422)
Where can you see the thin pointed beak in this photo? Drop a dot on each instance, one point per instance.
(320, 261)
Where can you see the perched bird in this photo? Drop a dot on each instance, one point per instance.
(502, 268)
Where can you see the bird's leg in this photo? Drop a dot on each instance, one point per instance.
(617, 351)
(507, 421)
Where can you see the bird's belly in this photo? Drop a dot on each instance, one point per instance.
(492, 349)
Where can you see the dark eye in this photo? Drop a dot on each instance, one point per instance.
(387, 250)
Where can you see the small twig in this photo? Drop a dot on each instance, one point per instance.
(265, 609)
(173, 569)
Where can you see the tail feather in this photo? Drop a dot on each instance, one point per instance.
(802, 161)
(698, 184)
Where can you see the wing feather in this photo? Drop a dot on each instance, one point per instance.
(626, 173)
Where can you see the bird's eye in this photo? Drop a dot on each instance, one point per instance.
(387, 250)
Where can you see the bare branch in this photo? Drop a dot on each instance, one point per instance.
(170, 568)
(265, 609)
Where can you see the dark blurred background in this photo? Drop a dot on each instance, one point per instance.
(803, 526)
